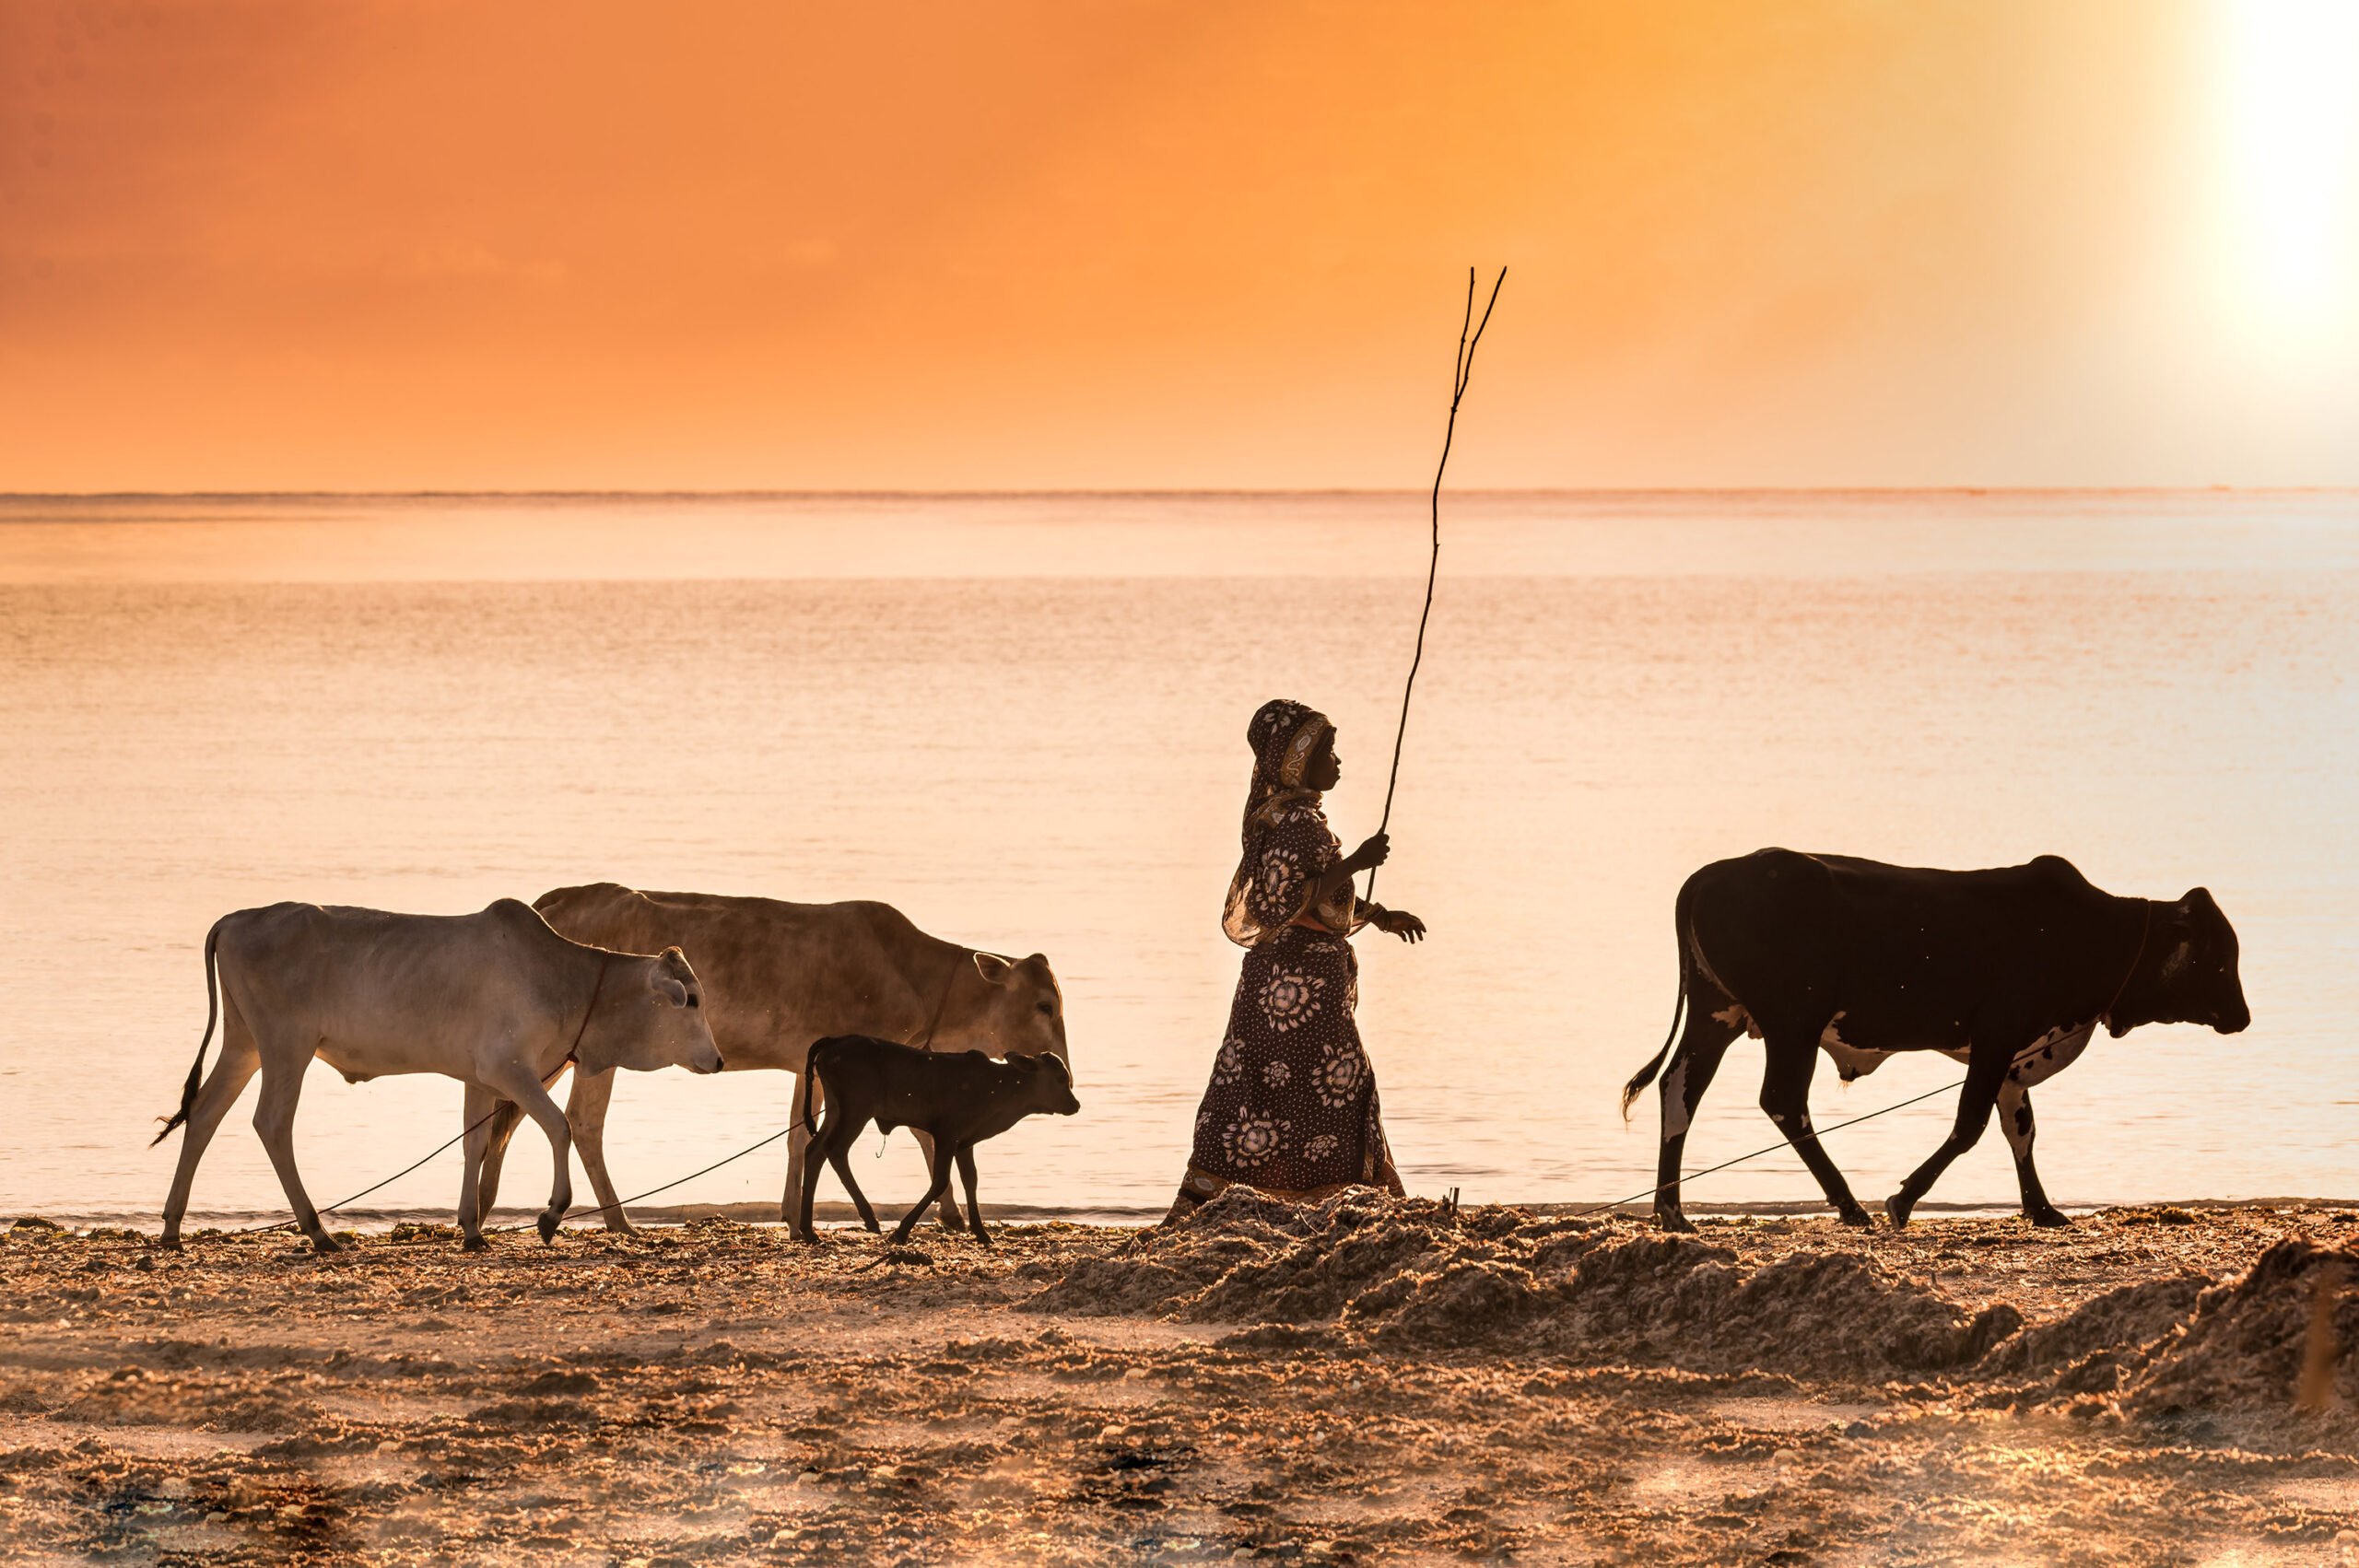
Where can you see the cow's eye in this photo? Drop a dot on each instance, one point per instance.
(1049, 1008)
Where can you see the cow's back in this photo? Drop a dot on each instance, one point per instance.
(777, 975)
(1778, 924)
(359, 975)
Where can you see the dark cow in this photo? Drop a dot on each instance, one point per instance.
(959, 1098)
(2009, 971)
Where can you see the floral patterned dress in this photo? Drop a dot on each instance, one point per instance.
(1292, 1105)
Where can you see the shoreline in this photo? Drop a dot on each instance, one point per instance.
(372, 1221)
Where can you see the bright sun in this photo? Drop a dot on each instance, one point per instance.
(2290, 169)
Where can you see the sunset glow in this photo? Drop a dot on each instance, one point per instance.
(2290, 168)
(278, 245)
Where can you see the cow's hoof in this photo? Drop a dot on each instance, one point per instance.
(874, 1229)
(622, 1228)
(1896, 1209)
(810, 1238)
(1857, 1216)
(324, 1243)
(981, 1235)
(547, 1225)
(1672, 1220)
(474, 1244)
(169, 1244)
(2047, 1219)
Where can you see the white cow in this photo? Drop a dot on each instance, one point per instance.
(496, 1000)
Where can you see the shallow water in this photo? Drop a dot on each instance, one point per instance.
(1020, 720)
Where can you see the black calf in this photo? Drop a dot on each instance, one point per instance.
(959, 1099)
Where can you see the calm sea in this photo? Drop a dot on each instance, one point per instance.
(1020, 720)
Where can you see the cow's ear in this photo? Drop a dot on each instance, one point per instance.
(2199, 898)
(671, 990)
(994, 968)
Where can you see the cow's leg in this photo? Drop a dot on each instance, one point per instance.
(505, 1121)
(523, 1085)
(798, 1141)
(829, 1147)
(506, 1117)
(933, 1158)
(232, 1070)
(840, 1156)
(1702, 1044)
(282, 1086)
(1984, 1076)
(934, 1189)
(807, 1186)
(1785, 1095)
(2015, 1120)
(965, 1158)
(585, 1112)
(476, 1109)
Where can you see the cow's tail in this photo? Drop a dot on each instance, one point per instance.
(1686, 939)
(810, 1072)
(212, 1016)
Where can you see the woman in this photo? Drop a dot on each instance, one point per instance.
(1291, 1110)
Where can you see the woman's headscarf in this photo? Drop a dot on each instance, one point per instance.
(1284, 737)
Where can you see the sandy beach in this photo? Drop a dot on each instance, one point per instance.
(1370, 1381)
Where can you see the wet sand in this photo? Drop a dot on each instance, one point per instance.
(1365, 1381)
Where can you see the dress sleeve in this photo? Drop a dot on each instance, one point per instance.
(1294, 852)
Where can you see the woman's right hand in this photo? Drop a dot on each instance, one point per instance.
(1371, 854)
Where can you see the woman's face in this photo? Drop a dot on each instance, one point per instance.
(1325, 767)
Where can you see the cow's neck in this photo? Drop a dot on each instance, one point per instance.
(937, 1018)
(2134, 998)
(596, 977)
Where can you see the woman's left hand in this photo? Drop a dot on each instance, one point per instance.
(1403, 924)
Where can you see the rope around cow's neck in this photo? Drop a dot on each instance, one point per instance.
(573, 1051)
(2144, 931)
(943, 1000)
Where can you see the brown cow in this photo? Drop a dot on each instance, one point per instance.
(779, 975)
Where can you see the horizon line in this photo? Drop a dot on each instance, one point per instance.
(1023, 493)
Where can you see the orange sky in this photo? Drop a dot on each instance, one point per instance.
(277, 244)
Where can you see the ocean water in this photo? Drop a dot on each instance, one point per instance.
(1020, 720)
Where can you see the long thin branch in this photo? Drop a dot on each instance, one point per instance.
(1461, 373)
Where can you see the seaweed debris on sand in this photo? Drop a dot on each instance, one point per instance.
(1365, 1380)
(1413, 1274)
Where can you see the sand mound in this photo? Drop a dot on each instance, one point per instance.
(1414, 1274)
(2106, 1324)
(2243, 1350)
(1833, 1314)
